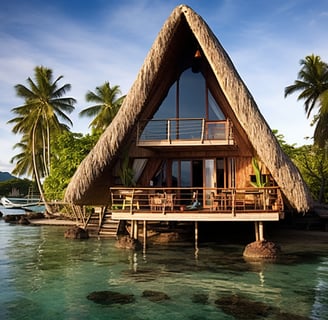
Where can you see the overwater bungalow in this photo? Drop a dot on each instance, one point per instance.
(189, 143)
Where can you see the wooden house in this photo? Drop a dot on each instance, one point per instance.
(183, 144)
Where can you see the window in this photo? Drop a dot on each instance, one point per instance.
(194, 101)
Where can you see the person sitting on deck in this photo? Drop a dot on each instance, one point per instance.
(196, 204)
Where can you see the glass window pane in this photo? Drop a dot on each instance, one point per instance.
(168, 107)
(192, 95)
(185, 174)
(214, 111)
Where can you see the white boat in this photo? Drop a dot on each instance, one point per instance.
(21, 203)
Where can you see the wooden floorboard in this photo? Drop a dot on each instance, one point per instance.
(195, 216)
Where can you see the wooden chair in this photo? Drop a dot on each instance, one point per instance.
(240, 203)
(130, 202)
(214, 202)
(155, 202)
(169, 201)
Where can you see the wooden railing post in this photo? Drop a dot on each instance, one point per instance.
(169, 131)
(203, 131)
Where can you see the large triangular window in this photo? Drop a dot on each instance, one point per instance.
(189, 97)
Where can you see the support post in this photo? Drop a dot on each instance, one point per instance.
(144, 236)
(257, 236)
(261, 233)
(136, 230)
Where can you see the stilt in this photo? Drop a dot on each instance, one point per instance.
(196, 239)
(257, 235)
(261, 233)
(136, 230)
(132, 229)
(144, 236)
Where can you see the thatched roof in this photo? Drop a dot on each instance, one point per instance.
(90, 185)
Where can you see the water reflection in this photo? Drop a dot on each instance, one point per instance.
(320, 305)
(51, 277)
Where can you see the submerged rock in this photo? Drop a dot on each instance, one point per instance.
(76, 233)
(262, 250)
(155, 296)
(242, 308)
(110, 297)
(126, 242)
(200, 298)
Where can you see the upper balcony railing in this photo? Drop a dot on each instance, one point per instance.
(184, 131)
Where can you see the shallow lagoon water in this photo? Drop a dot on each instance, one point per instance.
(45, 276)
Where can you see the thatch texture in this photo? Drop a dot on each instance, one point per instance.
(90, 185)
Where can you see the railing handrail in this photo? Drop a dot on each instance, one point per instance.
(178, 129)
(263, 199)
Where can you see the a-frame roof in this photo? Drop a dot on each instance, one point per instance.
(89, 184)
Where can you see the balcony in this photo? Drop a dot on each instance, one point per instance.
(184, 132)
(196, 204)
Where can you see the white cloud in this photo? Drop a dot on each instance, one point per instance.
(265, 47)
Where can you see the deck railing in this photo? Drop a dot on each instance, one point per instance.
(175, 131)
(223, 200)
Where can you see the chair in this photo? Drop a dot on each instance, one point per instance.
(214, 202)
(240, 203)
(169, 201)
(130, 202)
(155, 202)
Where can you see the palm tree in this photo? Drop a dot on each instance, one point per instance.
(106, 107)
(38, 121)
(312, 84)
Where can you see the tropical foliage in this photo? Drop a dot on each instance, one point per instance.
(107, 102)
(22, 186)
(68, 152)
(38, 121)
(312, 161)
(260, 181)
(312, 83)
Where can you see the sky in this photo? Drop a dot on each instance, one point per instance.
(93, 41)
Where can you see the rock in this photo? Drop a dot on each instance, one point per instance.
(10, 218)
(35, 215)
(110, 297)
(155, 296)
(23, 221)
(167, 237)
(262, 250)
(76, 233)
(200, 298)
(242, 308)
(126, 242)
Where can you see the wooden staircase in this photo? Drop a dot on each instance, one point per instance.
(108, 228)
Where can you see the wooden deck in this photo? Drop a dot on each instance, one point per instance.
(195, 216)
(201, 204)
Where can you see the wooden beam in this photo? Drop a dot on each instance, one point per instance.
(194, 216)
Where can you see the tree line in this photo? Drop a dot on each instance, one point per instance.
(50, 153)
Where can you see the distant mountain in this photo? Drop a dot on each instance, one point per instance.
(4, 176)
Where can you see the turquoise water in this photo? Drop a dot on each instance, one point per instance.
(45, 276)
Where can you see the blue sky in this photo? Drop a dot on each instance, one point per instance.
(90, 42)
